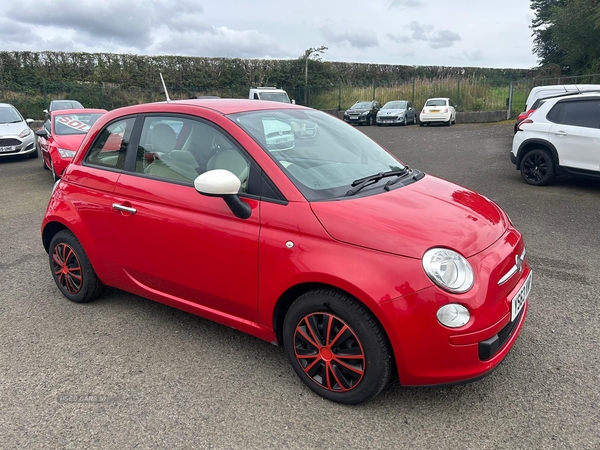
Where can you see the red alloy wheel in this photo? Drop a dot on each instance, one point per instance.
(329, 352)
(67, 268)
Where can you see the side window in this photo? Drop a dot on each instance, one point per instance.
(179, 149)
(582, 113)
(110, 147)
(47, 126)
(256, 96)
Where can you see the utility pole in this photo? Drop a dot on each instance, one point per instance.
(315, 53)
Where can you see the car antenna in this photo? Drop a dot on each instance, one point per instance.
(164, 87)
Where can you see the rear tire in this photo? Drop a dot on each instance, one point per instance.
(71, 269)
(537, 167)
(337, 347)
(421, 124)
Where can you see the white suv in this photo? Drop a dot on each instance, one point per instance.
(561, 137)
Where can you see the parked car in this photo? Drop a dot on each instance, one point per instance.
(557, 89)
(16, 138)
(438, 110)
(270, 93)
(61, 135)
(56, 105)
(362, 112)
(359, 265)
(560, 137)
(540, 101)
(397, 112)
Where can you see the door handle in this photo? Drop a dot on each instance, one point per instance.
(124, 208)
(560, 133)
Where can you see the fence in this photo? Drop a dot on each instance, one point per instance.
(469, 94)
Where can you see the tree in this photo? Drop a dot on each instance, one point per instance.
(567, 34)
(315, 54)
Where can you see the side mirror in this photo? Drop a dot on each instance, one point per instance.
(29, 121)
(293, 102)
(222, 183)
(42, 132)
(45, 111)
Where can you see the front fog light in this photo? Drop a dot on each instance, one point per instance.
(453, 315)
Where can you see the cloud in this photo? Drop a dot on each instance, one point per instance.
(405, 3)
(222, 42)
(435, 38)
(361, 39)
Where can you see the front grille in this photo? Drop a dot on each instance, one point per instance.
(491, 346)
(388, 117)
(9, 142)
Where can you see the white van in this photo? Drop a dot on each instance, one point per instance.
(557, 89)
(269, 93)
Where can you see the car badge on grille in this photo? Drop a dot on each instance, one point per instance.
(517, 268)
(519, 263)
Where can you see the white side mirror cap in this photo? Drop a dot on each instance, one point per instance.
(217, 182)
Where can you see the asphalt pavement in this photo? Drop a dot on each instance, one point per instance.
(125, 372)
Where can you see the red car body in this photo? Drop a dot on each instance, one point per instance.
(369, 247)
(50, 141)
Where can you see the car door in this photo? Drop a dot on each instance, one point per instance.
(575, 133)
(410, 112)
(175, 243)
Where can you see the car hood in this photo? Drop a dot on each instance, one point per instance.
(12, 129)
(69, 142)
(410, 220)
(385, 112)
(354, 110)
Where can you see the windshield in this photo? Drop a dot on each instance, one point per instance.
(395, 105)
(67, 124)
(8, 114)
(436, 102)
(275, 97)
(320, 154)
(361, 105)
(65, 104)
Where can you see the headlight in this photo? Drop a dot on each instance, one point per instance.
(66, 153)
(448, 269)
(25, 132)
(365, 113)
(453, 315)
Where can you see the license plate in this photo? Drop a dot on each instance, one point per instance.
(519, 300)
(353, 118)
(6, 149)
(434, 110)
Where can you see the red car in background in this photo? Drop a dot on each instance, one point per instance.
(360, 266)
(61, 135)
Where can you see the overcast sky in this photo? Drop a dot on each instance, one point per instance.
(480, 33)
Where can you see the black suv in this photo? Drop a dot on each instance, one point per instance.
(362, 112)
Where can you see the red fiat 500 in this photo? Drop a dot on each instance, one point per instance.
(329, 246)
(61, 135)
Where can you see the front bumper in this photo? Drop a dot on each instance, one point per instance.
(428, 353)
(392, 120)
(13, 145)
(354, 119)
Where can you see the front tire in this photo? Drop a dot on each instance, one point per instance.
(336, 347)
(537, 167)
(71, 269)
(405, 121)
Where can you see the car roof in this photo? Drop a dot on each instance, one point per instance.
(62, 112)
(438, 98)
(228, 105)
(572, 98)
(3, 105)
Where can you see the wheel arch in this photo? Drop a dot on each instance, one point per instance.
(531, 144)
(49, 231)
(291, 294)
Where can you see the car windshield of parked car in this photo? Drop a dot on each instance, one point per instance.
(275, 97)
(437, 102)
(8, 114)
(67, 124)
(65, 104)
(320, 154)
(395, 105)
(361, 105)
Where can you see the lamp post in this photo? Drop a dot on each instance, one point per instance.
(315, 52)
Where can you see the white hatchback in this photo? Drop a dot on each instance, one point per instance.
(561, 137)
(438, 110)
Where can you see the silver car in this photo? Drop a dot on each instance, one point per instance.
(397, 112)
(16, 138)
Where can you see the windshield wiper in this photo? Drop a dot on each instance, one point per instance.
(361, 183)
